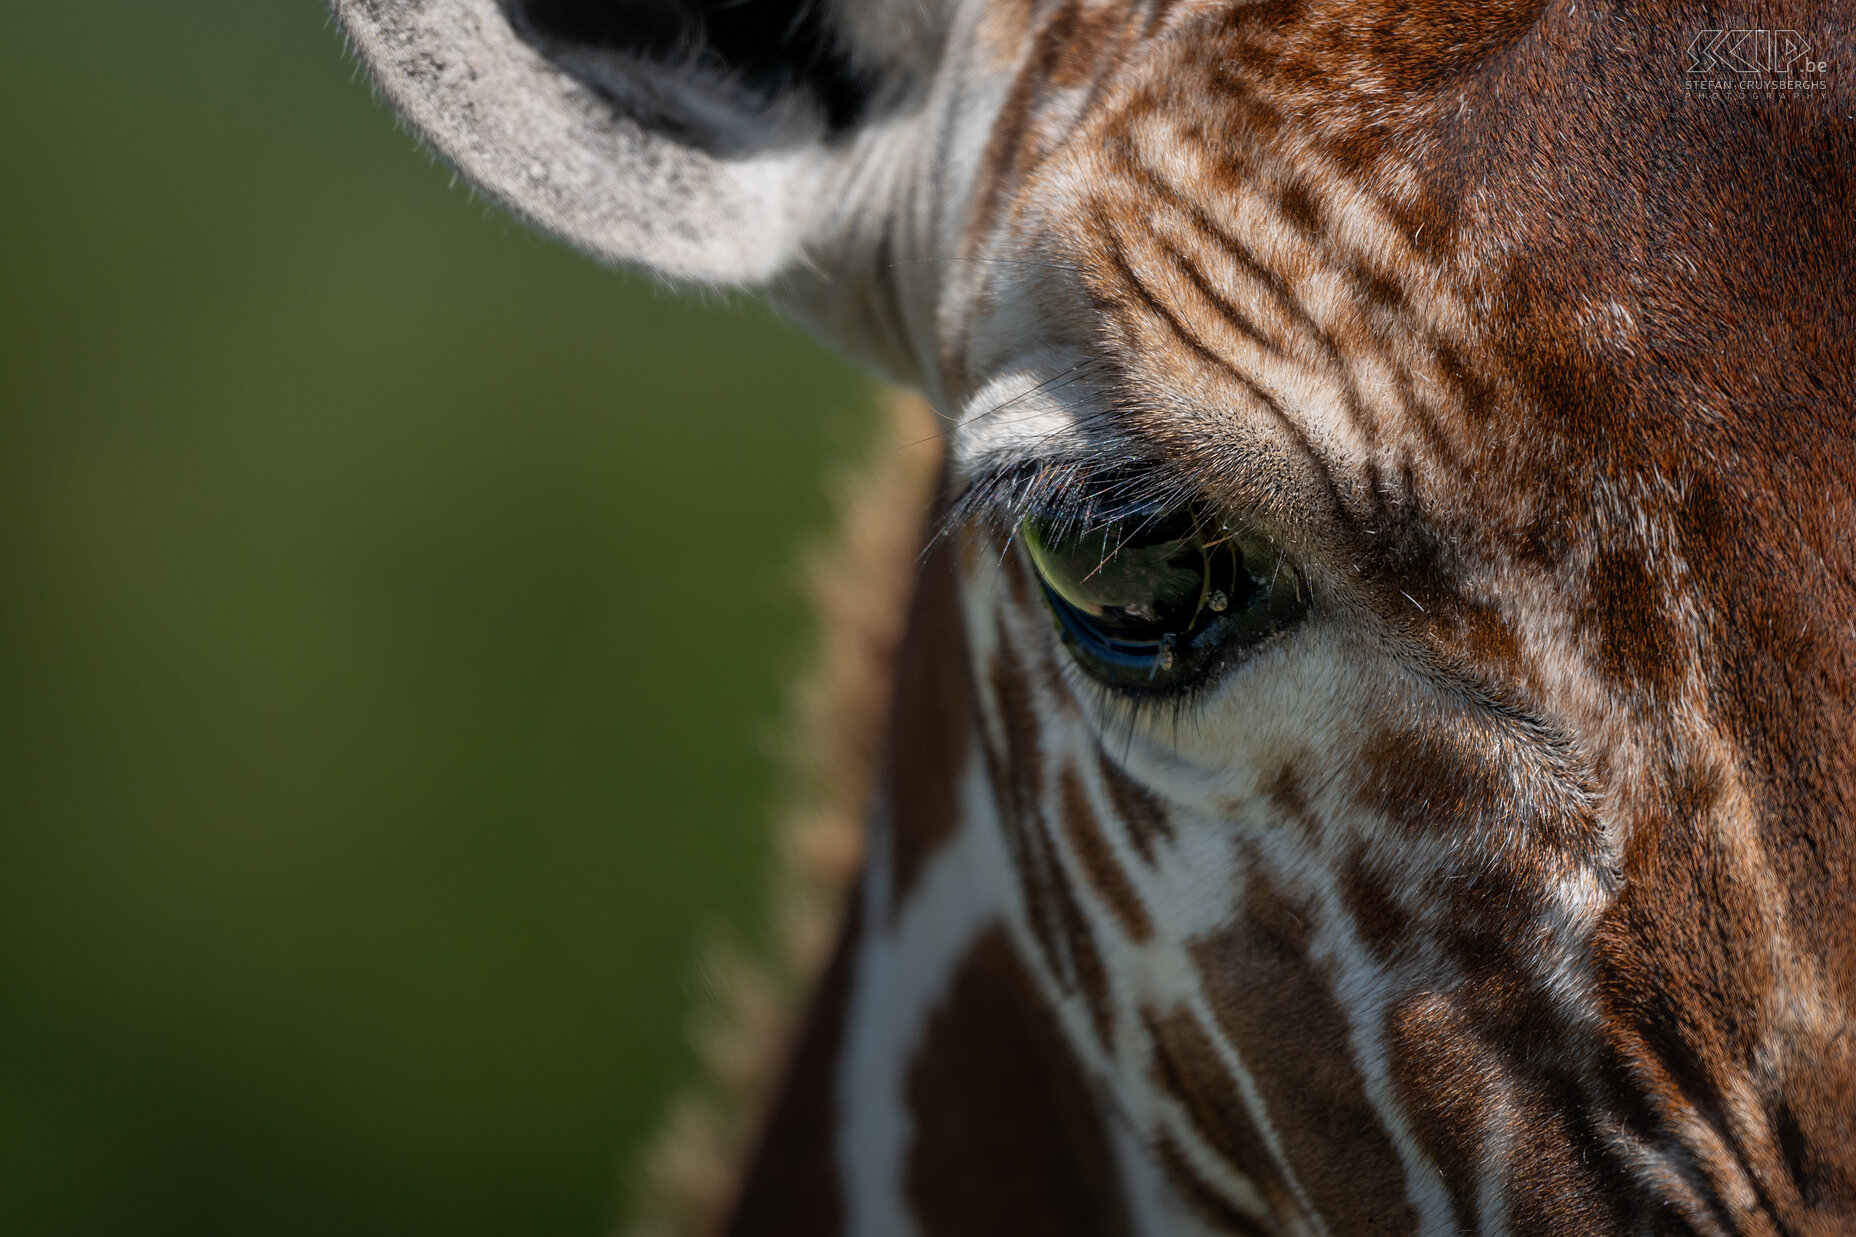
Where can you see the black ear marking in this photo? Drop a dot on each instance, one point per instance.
(771, 47)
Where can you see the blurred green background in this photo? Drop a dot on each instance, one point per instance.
(395, 606)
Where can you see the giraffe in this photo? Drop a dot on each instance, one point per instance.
(1372, 747)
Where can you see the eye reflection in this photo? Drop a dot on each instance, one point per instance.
(1152, 602)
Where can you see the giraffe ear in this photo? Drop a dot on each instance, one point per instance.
(706, 141)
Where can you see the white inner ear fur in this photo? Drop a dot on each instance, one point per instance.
(682, 170)
(553, 150)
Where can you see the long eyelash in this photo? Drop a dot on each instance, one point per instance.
(1076, 496)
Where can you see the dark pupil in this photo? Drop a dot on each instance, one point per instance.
(1146, 602)
(1137, 580)
(1147, 594)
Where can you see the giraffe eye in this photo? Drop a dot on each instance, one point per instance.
(1153, 602)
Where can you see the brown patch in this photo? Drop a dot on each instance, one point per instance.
(1018, 785)
(1302, 208)
(1136, 808)
(1056, 919)
(1439, 1075)
(1197, 1193)
(1098, 859)
(1377, 917)
(1277, 1007)
(1091, 975)
(1187, 1067)
(1008, 1139)
(1287, 796)
(1636, 644)
(792, 1183)
(931, 724)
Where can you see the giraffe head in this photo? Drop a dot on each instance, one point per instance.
(1375, 746)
